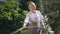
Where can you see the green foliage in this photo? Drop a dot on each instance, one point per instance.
(54, 21)
(53, 17)
(24, 31)
(10, 16)
(47, 26)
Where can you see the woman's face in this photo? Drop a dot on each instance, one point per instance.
(31, 7)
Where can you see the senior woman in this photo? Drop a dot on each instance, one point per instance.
(34, 18)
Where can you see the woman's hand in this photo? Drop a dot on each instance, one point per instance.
(44, 28)
(24, 25)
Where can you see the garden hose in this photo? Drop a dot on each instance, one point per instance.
(22, 29)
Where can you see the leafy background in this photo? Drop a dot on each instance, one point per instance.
(13, 12)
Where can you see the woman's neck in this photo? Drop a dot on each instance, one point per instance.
(34, 11)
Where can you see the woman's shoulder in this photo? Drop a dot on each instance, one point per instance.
(28, 13)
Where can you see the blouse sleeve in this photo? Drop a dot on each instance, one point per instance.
(27, 18)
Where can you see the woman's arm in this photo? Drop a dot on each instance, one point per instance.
(26, 20)
(41, 20)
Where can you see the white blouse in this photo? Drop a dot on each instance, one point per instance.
(37, 17)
